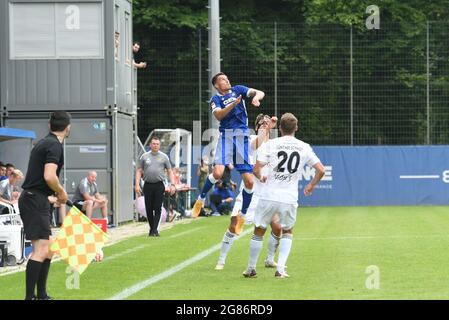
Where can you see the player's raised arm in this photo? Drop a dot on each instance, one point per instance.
(257, 96)
(264, 124)
(221, 113)
(263, 157)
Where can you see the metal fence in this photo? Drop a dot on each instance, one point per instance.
(347, 85)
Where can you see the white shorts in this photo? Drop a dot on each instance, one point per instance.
(267, 209)
(249, 216)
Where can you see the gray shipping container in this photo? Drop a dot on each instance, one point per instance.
(71, 55)
(97, 142)
(74, 56)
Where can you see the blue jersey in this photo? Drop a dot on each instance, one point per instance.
(238, 117)
(224, 193)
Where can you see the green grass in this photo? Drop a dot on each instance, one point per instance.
(331, 250)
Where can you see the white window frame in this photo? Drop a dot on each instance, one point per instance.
(128, 48)
(12, 55)
(117, 51)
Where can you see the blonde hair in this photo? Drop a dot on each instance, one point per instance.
(289, 123)
(17, 173)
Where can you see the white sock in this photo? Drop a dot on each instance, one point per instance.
(249, 191)
(254, 251)
(212, 179)
(273, 244)
(284, 250)
(226, 245)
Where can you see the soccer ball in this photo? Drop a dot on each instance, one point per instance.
(99, 256)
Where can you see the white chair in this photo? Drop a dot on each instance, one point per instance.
(13, 216)
(11, 232)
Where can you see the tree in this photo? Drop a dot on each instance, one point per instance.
(313, 60)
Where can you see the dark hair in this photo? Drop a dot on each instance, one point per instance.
(59, 121)
(9, 165)
(259, 117)
(136, 42)
(155, 138)
(289, 123)
(214, 79)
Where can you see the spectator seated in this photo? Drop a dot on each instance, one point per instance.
(87, 197)
(222, 199)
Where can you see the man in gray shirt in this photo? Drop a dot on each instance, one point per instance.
(7, 187)
(88, 199)
(151, 167)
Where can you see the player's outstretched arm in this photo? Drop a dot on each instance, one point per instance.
(319, 174)
(274, 122)
(264, 134)
(257, 96)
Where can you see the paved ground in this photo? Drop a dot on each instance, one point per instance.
(116, 235)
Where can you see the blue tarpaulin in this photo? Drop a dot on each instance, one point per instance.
(10, 134)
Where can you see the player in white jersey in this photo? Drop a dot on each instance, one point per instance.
(263, 125)
(284, 157)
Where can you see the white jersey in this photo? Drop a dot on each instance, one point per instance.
(249, 217)
(252, 152)
(252, 161)
(284, 158)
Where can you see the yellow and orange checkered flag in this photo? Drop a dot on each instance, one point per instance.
(78, 241)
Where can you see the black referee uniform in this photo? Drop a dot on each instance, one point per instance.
(35, 209)
(34, 206)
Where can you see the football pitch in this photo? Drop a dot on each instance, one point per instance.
(337, 253)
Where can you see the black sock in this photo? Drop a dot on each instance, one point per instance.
(42, 281)
(32, 275)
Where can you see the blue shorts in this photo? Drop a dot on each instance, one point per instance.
(234, 147)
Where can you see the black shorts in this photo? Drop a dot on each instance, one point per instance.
(35, 211)
(79, 205)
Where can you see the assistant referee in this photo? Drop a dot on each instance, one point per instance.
(42, 182)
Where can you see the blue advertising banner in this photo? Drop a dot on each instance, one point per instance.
(366, 176)
(377, 176)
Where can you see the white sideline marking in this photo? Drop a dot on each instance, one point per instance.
(118, 255)
(111, 257)
(185, 232)
(128, 292)
(420, 177)
(374, 237)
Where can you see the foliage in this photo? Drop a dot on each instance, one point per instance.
(313, 60)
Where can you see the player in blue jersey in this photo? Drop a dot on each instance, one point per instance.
(228, 106)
